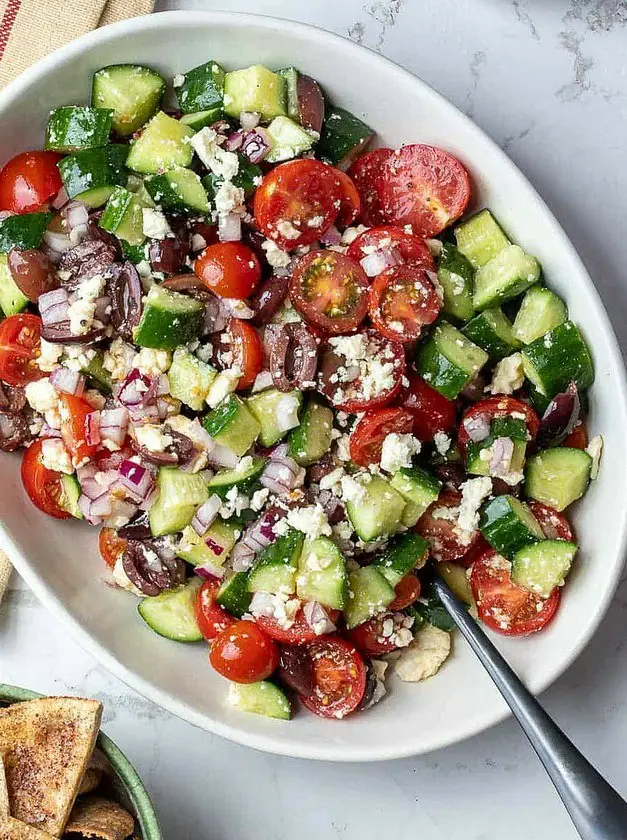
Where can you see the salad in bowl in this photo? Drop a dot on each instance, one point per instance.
(289, 377)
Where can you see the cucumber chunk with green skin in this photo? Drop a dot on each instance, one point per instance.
(419, 489)
(123, 215)
(275, 568)
(261, 698)
(480, 238)
(343, 137)
(457, 581)
(190, 379)
(376, 512)
(172, 614)
(246, 480)
(178, 189)
(430, 610)
(322, 574)
(214, 547)
(540, 311)
(163, 144)
(92, 174)
(309, 441)
(169, 319)
(12, 299)
(201, 119)
(133, 253)
(507, 275)
(23, 232)
(233, 425)
(254, 89)
(233, 594)
(131, 91)
(543, 566)
(75, 127)
(180, 494)
(493, 332)
(403, 554)
(508, 525)
(70, 491)
(202, 89)
(455, 276)
(289, 139)
(369, 594)
(248, 177)
(448, 360)
(97, 375)
(558, 476)
(267, 407)
(290, 74)
(559, 357)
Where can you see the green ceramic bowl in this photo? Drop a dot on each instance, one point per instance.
(126, 776)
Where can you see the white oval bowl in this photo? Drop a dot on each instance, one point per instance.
(60, 561)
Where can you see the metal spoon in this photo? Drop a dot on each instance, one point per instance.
(596, 809)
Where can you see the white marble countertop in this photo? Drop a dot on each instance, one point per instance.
(547, 80)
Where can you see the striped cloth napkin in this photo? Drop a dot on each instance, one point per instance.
(30, 29)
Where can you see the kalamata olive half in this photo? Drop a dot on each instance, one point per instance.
(268, 299)
(310, 103)
(188, 284)
(125, 290)
(32, 272)
(296, 669)
(561, 416)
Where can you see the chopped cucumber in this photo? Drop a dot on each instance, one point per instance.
(214, 547)
(378, 511)
(178, 189)
(23, 232)
(131, 91)
(480, 238)
(558, 476)
(246, 480)
(404, 553)
(559, 357)
(275, 568)
(369, 593)
(507, 274)
(543, 566)
(419, 489)
(290, 74)
(12, 299)
(254, 89)
(493, 332)
(180, 494)
(322, 574)
(123, 215)
(261, 698)
(190, 379)
(172, 614)
(448, 360)
(233, 594)
(201, 119)
(92, 174)
(248, 177)
(455, 276)
(309, 441)
(343, 138)
(70, 491)
(267, 407)
(540, 311)
(97, 375)
(75, 127)
(233, 425)
(169, 319)
(289, 140)
(479, 455)
(163, 144)
(457, 581)
(508, 525)
(202, 89)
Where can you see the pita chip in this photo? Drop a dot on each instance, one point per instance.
(94, 817)
(11, 829)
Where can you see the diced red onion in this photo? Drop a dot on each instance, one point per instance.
(102, 505)
(54, 307)
(255, 538)
(137, 479)
(249, 120)
(57, 243)
(256, 145)
(501, 457)
(76, 214)
(242, 557)
(230, 227)
(92, 428)
(214, 546)
(61, 199)
(282, 474)
(331, 236)
(137, 389)
(238, 308)
(166, 408)
(163, 385)
(122, 511)
(68, 381)
(150, 499)
(477, 428)
(206, 514)
(47, 431)
(374, 264)
(318, 618)
(234, 140)
(85, 507)
(114, 425)
(209, 571)
(216, 317)
(141, 414)
(561, 416)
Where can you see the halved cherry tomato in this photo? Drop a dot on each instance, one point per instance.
(406, 248)
(111, 545)
(20, 340)
(242, 652)
(339, 678)
(330, 291)
(367, 175)
(350, 202)
(407, 592)
(425, 187)
(578, 438)
(386, 359)
(298, 634)
(212, 619)
(74, 427)
(366, 440)
(401, 301)
(297, 201)
(479, 547)
(503, 606)
(43, 486)
(230, 269)
(247, 351)
(28, 180)
(497, 407)
(554, 524)
(431, 411)
(446, 540)
(368, 637)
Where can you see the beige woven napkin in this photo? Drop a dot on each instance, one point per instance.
(30, 29)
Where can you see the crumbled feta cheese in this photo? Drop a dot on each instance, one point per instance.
(351, 234)
(154, 224)
(262, 381)
(122, 579)
(342, 448)
(311, 520)
(508, 375)
(333, 480)
(594, 450)
(152, 362)
(282, 607)
(222, 163)
(315, 221)
(260, 497)
(425, 655)
(119, 359)
(152, 438)
(474, 491)
(83, 307)
(287, 229)
(49, 355)
(287, 408)
(354, 348)
(229, 199)
(397, 451)
(352, 490)
(442, 442)
(178, 80)
(275, 256)
(223, 385)
(55, 456)
(42, 396)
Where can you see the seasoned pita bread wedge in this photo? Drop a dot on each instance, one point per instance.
(45, 745)
(11, 829)
(94, 817)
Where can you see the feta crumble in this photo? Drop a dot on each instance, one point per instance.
(474, 491)
(594, 450)
(83, 307)
(55, 456)
(311, 520)
(508, 375)
(276, 257)
(154, 224)
(442, 442)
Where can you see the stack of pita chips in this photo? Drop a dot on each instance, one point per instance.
(47, 760)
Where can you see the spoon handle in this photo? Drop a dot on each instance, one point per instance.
(596, 809)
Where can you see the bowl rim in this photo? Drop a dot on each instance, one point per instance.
(128, 776)
(270, 743)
